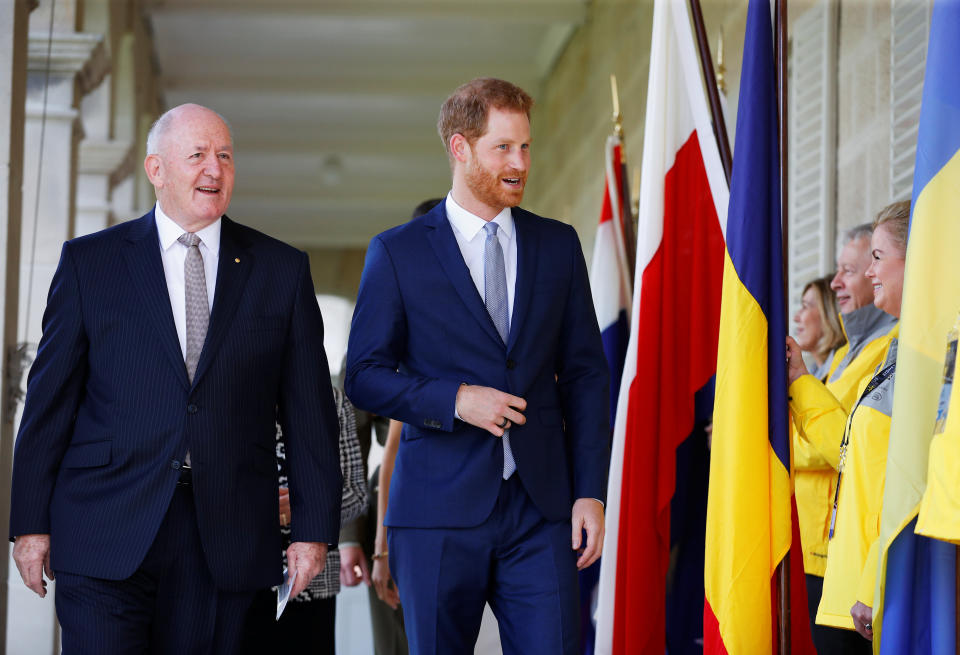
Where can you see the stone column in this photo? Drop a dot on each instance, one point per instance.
(76, 65)
(104, 158)
(101, 162)
(125, 128)
(62, 67)
(13, 81)
(149, 105)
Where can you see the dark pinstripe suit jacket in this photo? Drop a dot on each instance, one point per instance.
(110, 413)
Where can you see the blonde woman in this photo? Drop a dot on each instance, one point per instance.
(817, 325)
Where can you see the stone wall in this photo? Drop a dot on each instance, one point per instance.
(572, 117)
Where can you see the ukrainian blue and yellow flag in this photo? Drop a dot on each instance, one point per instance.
(748, 507)
(916, 583)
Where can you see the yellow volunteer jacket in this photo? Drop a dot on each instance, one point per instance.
(852, 552)
(819, 413)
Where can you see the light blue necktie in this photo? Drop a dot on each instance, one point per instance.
(495, 298)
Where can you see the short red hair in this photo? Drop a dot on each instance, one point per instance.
(466, 110)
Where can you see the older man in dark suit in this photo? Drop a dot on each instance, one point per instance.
(144, 472)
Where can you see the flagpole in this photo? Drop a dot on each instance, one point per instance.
(626, 213)
(713, 93)
(780, 68)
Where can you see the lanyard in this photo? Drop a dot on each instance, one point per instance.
(877, 380)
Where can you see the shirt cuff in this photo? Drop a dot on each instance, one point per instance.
(456, 414)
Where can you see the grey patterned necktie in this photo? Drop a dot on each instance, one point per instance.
(198, 308)
(495, 298)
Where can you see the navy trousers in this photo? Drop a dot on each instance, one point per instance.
(521, 564)
(169, 605)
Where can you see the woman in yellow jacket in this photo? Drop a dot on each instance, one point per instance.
(867, 330)
(819, 333)
(852, 551)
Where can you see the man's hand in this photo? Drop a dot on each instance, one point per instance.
(863, 619)
(587, 515)
(489, 409)
(307, 559)
(31, 552)
(353, 566)
(284, 506)
(795, 365)
(383, 583)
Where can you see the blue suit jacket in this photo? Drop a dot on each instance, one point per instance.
(110, 413)
(420, 329)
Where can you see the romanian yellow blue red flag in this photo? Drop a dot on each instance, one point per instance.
(749, 504)
(916, 583)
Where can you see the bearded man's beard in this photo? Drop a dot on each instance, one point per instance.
(488, 188)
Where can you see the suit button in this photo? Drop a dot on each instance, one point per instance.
(191, 408)
(511, 364)
(174, 464)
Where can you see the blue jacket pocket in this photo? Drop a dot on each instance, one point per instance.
(87, 455)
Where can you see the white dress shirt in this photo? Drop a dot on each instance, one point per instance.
(471, 237)
(174, 254)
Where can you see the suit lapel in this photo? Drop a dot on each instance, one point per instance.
(233, 268)
(142, 255)
(444, 243)
(526, 271)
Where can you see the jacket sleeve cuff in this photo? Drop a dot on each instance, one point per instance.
(440, 406)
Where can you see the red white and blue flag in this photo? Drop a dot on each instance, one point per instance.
(611, 289)
(672, 347)
(610, 269)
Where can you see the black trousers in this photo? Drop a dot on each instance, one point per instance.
(169, 605)
(829, 640)
(304, 627)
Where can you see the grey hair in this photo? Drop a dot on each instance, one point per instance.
(160, 126)
(862, 231)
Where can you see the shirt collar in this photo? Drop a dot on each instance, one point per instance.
(469, 224)
(169, 232)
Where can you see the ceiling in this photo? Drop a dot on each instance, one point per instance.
(333, 103)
